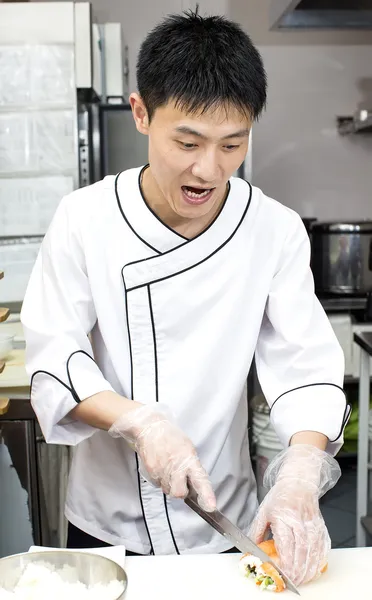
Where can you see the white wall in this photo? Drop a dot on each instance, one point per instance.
(298, 156)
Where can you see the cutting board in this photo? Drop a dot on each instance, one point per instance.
(217, 577)
(14, 374)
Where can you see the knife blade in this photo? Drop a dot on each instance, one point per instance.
(238, 539)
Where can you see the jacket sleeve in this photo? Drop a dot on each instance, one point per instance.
(57, 316)
(300, 364)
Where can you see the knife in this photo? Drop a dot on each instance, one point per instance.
(238, 539)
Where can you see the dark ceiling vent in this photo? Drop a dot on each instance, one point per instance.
(321, 14)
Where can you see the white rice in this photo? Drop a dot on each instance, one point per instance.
(42, 582)
(246, 563)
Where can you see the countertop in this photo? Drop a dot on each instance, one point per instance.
(217, 577)
(14, 381)
(364, 340)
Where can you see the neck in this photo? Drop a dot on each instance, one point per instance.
(188, 228)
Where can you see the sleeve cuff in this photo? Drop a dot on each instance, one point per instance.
(85, 377)
(318, 407)
(53, 399)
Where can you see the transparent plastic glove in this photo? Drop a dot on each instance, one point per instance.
(167, 454)
(297, 478)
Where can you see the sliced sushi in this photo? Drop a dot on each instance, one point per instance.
(265, 576)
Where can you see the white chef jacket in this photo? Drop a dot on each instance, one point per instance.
(175, 321)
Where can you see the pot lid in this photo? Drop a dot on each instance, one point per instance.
(349, 226)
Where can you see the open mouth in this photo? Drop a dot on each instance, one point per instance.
(195, 195)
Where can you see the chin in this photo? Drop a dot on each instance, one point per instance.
(193, 212)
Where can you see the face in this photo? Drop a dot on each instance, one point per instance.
(192, 157)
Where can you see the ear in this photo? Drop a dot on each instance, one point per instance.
(139, 113)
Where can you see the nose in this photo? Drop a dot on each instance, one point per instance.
(206, 166)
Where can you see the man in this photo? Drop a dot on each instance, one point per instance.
(179, 273)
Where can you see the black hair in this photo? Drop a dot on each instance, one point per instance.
(201, 63)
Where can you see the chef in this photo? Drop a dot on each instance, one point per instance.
(153, 291)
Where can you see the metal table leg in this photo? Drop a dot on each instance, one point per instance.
(363, 466)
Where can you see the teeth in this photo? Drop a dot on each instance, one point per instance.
(193, 195)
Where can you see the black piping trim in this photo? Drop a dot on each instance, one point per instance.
(72, 388)
(142, 508)
(194, 265)
(155, 348)
(125, 218)
(153, 326)
(215, 218)
(131, 395)
(129, 341)
(169, 524)
(73, 391)
(50, 375)
(305, 386)
(151, 210)
(347, 411)
(186, 239)
(157, 400)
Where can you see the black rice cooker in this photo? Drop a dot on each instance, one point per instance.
(342, 257)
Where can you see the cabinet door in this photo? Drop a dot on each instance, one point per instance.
(19, 504)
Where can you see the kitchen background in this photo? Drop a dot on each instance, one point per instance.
(65, 73)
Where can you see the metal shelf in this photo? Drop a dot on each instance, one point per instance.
(353, 125)
(343, 303)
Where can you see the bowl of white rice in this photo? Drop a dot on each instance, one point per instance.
(61, 575)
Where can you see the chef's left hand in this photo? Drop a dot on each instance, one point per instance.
(297, 478)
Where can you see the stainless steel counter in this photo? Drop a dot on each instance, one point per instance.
(33, 478)
(20, 489)
(364, 340)
(364, 491)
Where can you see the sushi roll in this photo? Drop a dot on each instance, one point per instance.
(265, 576)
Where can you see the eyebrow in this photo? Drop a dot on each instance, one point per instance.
(188, 130)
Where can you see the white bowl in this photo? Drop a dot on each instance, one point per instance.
(89, 569)
(6, 344)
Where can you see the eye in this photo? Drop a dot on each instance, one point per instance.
(187, 146)
(231, 147)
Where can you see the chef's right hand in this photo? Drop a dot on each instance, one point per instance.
(167, 454)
